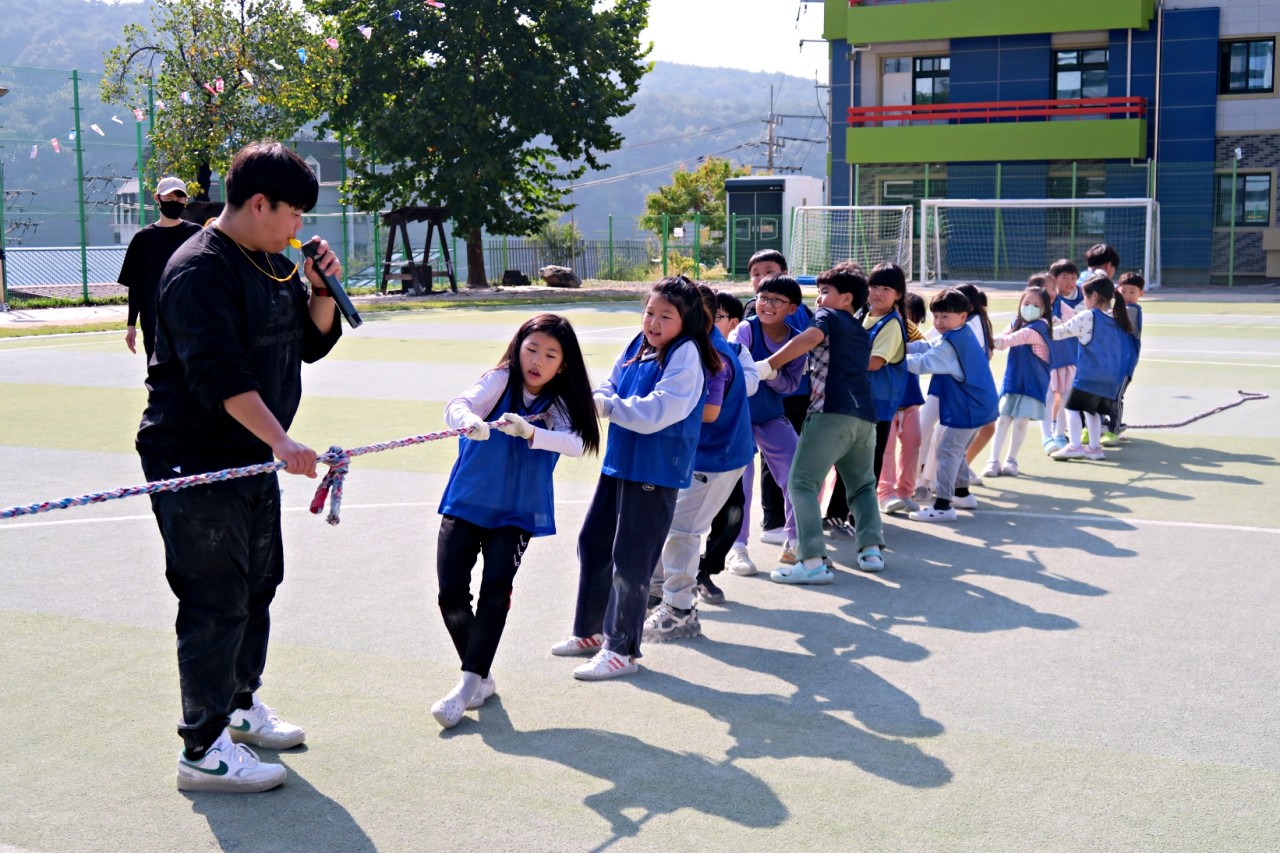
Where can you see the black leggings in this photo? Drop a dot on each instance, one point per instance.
(476, 635)
(724, 532)
(838, 506)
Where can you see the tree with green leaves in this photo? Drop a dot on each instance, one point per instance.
(698, 193)
(225, 73)
(486, 108)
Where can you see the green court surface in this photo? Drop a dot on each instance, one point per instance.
(1086, 661)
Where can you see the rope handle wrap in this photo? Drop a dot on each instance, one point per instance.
(338, 460)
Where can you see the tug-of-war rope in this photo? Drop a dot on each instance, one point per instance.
(1245, 396)
(338, 460)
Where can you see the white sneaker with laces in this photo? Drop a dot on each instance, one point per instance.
(739, 562)
(606, 664)
(228, 766)
(260, 726)
(774, 536)
(578, 646)
(666, 623)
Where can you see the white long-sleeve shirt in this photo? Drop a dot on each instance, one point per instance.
(1080, 326)
(555, 434)
(672, 400)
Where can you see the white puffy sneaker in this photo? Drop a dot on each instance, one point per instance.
(739, 562)
(228, 766)
(774, 536)
(261, 727)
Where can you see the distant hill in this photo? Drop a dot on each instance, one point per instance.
(681, 111)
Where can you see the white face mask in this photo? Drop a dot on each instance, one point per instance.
(1031, 313)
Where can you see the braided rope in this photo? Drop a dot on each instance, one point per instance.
(336, 458)
(1245, 396)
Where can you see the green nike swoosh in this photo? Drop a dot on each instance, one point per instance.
(220, 770)
(243, 727)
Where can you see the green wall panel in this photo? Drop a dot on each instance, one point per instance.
(959, 143)
(946, 19)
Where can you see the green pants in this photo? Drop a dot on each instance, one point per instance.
(849, 444)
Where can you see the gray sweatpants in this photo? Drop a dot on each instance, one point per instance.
(953, 468)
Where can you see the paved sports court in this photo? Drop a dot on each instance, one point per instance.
(1087, 661)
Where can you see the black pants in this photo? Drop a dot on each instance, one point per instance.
(772, 507)
(223, 560)
(1112, 420)
(619, 547)
(724, 532)
(476, 635)
(838, 505)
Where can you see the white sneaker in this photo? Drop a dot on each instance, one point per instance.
(739, 562)
(449, 710)
(974, 479)
(1009, 469)
(928, 513)
(606, 664)
(578, 646)
(966, 502)
(774, 536)
(261, 727)
(487, 688)
(666, 623)
(892, 505)
(1071, 451)
(228, 766)
(992, 470)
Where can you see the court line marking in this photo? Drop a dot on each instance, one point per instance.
(1193, 362)
(1084, 519)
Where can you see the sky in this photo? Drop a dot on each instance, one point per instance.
(758, 35)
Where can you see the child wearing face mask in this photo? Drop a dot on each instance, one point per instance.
(1026, 378)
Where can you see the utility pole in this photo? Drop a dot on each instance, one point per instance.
(771, 121)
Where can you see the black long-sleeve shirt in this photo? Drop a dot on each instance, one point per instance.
(224, 328)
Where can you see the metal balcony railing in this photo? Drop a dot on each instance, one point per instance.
(1002, 111)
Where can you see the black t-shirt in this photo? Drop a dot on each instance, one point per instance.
(144, 262)
(223, 328)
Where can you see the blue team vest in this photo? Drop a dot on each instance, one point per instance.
(800, 319)
(970, 402)
(663, 458)
(725, 444)
(502, 482)
(1025, 373)
(889, 383)
(766, 403)
(1065, 352)
(1105, 360)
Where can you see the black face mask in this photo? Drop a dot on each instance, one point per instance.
(172, 209)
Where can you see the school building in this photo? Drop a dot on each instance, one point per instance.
(1036, 99)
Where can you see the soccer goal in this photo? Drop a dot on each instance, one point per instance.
(1006, 240)
(822, 237)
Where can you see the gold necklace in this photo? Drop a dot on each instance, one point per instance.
(288, 276)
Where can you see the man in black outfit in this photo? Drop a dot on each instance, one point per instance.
(234, 324)
(145, 259)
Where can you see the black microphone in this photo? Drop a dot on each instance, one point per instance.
(311, 249)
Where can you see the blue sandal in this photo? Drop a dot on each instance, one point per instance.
(870, 559)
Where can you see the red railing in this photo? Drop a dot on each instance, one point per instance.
(1000, 110)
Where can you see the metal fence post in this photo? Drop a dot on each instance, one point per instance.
(730, 261)
(697, 245)
(997, 232)
(665, 229)
(346, 226)
(1071, 245)
(1231, 245)
(84, 235)
(142, 209)
(151, 114)
(4, 269)
(611, 246)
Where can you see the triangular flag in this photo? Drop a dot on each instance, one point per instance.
(365, 31)
(248, 78)
(96, 129)
(331, 43)
(139, 114)
(71, 135)
(219, 86)
(116, 119)
(396, 14)
(435, 4)
(160, 106)
(302, 54)
(57, 149)
(185, 97)
(276, 65)
(35, 149)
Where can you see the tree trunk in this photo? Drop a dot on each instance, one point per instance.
(204, 177)
(475, 260)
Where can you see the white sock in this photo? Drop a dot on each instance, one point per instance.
(466, 687)
(1073, 427)
(1002, 431)
(1094, 422)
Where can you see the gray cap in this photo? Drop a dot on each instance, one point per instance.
(170, 184)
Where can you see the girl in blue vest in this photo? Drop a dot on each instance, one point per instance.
(653, 399)
(886, 323)
(725, 449)
(966, 394)
(1067, 299)
(901, 467)
(1026, 378)
(500, 490)
(1108, 354)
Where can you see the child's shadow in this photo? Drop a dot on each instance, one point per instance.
(643, 776)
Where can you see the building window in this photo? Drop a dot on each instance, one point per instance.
(1247, 67)
(1080, 73)
(897, 192)
(1253, 201)
(931, 80)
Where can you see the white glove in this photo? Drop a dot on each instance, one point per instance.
(765, 369)
(477, 429)
(516, 426)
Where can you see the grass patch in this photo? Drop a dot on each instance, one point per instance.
(33, 331)
(25, 303)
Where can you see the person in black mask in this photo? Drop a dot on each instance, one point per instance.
(145, 259)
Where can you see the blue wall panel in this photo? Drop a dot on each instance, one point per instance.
(845, 93)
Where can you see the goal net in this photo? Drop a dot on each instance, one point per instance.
(1006, 240)
(822, 237)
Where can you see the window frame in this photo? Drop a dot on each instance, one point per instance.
(1224, 75)
(1221, 191)
(1082, 66)
(930, 74)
